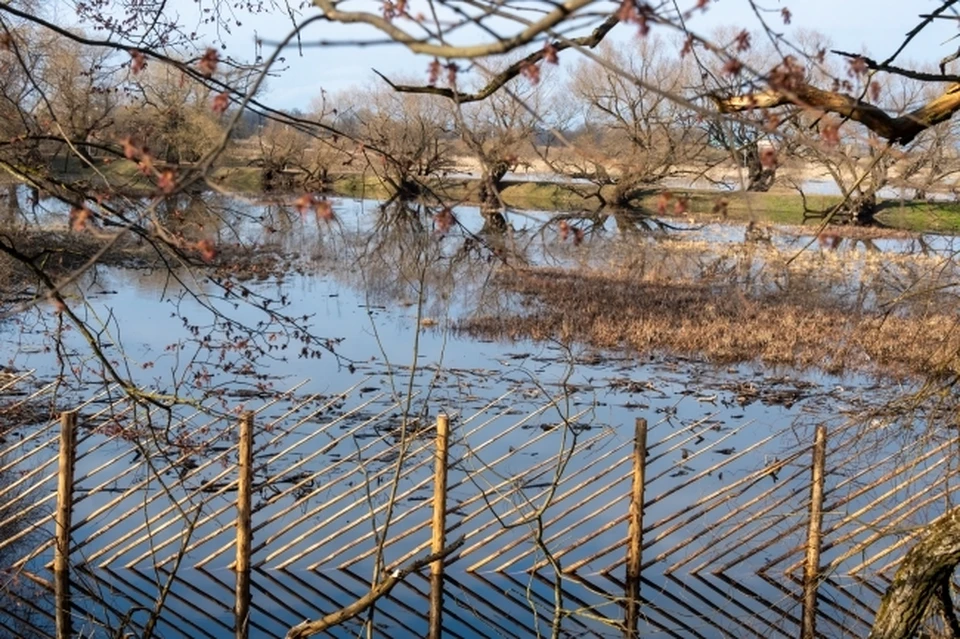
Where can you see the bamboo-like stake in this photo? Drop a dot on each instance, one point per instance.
(244, 487)
(439, 526)
(635, 530)
(61, 557)
(811, 572)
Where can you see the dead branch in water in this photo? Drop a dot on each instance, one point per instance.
(310, 628)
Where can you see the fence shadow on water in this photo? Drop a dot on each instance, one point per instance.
(248, 523)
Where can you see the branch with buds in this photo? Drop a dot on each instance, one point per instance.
(561, 13)
(548, 53)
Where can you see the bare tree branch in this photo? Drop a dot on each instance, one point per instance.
(925, 20)
(310, 628)
(899, 130)
(913, 74)
(562, 12)
(590, 41)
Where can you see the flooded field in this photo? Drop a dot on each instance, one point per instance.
(348, 338)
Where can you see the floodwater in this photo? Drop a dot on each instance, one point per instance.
(541, 454)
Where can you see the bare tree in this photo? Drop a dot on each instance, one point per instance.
(172, 115)
(412, 135)
(931, 163)
(859, 167)
(754, 142)
(82, 91)
(638, 137)
(499, 133)
(281, 152)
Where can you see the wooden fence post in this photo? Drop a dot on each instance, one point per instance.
(811, 571)
(635, 529)
(244, 488)
(61, 557)
(439, 526)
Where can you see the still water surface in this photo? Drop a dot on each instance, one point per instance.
(722, 534)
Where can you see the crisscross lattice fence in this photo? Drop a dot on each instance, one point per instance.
(540, 493)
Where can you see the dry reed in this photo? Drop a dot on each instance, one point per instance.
(886, 314)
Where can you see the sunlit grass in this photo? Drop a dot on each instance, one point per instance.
(941, 217)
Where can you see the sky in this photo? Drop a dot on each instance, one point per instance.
(873, 27)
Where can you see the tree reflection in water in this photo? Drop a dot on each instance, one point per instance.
(415, 254)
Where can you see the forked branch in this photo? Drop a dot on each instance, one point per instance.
(589, 41)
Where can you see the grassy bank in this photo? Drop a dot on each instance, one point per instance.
(776, 207)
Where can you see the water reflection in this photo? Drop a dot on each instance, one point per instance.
(727, 464)
(26, 606)
(436, 266)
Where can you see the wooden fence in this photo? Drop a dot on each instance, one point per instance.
(248, 523)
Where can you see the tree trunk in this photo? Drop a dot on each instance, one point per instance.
(267, 178)
(406, 188)
(864, 208)
(760, 178)
(489, 195)
(924, 570)
(491, 184)
(627, 189)
(493, 222)
(622, 194)
(12, 209)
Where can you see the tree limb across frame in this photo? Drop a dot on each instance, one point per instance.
(899, 130)
(382, 589)
(589, 41)
(562, 12)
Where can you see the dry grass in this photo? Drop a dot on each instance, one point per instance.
(882, 314)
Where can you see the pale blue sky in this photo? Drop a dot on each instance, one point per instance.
(876, 27)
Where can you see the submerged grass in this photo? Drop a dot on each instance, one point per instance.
(886, 315)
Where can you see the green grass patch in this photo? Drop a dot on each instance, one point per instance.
(544, 195)
(125, 176)
(238, 179)
(773, 207)
(937, 217)
(359, 185)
